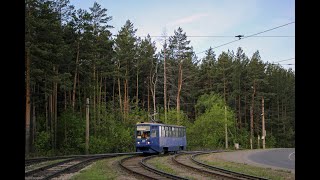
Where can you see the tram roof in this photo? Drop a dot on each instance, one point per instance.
(155, 123)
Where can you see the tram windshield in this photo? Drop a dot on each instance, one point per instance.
(143, 132)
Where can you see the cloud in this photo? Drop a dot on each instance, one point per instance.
(189, 19)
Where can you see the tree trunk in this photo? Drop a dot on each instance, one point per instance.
(46, 109)
(113, 91)
(125, 100)
(137, 85)
(65, 97)
(225, 109)
(179, 91)
(153, 83)
(70, 97)
(148, 98)
(87, 126)
(51, 120)
(105, 95)
(239, 107)
(251, 113)
(55, 109)
(119, 90)
(94, 99)
(99, 101)
(75, 78)
(79, 94)
(27, 59)
(33, 123)
(278, 115)
(245, 111)
(283, 109)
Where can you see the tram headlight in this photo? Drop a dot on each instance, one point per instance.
(148, 142)
(138, 142)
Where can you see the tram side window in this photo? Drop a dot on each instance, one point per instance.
(153, 133)
(162, 131)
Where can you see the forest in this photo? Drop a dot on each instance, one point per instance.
(71, 55)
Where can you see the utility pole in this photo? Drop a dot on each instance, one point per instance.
(87, 126)
(258, 142)
(225, 125)
(263, 127)
(225, 109)
(251, 126)
(165, 81)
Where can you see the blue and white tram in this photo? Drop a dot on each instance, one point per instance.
(159, 138)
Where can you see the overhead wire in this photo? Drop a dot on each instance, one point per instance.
(284, 60)
(247, 36)
(217, 36)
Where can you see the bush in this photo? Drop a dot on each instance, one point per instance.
(208, 131)
(43, 145)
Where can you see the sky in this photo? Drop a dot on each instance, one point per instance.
(222, 20)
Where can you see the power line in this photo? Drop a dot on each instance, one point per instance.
(248, 36)
(284, 60)
(205, 36)
(282, 64)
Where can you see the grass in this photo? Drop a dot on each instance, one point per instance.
(99, 170)
(160, 164)
(252, 170)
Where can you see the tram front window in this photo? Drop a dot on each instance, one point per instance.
(143, 132)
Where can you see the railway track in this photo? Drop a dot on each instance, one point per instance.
(42, 159)
(134, 164)
(137, 165)
(188, 160)
(57, 169)
(72, 164)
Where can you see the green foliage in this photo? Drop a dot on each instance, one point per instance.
(270, 141)
(241, 136)
(172, 116)
(123, 139)
(100, 145)
(43, 144)
(208, 129)
(113, 135)
(137, 115)
(72, 131)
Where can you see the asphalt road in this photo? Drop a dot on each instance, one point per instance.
(283, 158)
